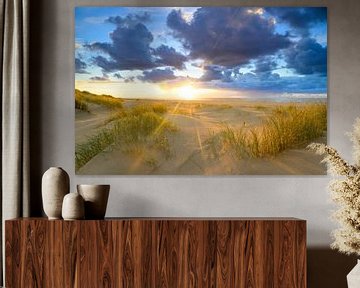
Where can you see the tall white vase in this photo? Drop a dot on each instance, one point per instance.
(353, 278)
(55, 185)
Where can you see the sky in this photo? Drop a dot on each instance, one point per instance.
(201, 52)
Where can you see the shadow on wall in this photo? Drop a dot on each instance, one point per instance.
(328, 268)
(35, 106)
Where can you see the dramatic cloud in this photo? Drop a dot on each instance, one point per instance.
(169, 57)
(262, 78)
(211, 73)
(300, 18)
(273, 49)
(130, 19)
(80, 66)
(272, 82)
(226, 36)
(265, 64)
(307, 57)
(129, 48)
(157, 75)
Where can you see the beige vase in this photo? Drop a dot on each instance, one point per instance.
(73, 207)
(55, 185)
(353, 278)
(96, 198)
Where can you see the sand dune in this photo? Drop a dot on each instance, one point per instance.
(89, 123)
(196, 120)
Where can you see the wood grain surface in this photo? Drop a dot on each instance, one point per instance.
(157, 253)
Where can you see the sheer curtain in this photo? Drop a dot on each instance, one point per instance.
(14, 37)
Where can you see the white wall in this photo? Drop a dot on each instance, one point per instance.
(298, 196)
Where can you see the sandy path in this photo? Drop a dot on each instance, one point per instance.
(89, 123)
(186, 143)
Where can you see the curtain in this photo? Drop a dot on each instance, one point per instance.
(14, 37)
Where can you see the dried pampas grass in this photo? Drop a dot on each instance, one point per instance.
(345, 191)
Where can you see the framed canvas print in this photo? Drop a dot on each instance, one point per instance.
(200, 90)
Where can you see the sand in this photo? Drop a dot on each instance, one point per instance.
(190, 156)
(89, 123)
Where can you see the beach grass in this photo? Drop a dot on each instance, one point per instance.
(81, 104)
(83, 98)
(86, 151)
(158, 108)
(288, 126)
(134, 130)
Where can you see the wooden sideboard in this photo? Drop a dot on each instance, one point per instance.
(156, 252)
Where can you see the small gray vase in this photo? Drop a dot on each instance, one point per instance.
(96, 198)
(73, 207)
(55, 185)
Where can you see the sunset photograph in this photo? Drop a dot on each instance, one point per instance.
(200, 90)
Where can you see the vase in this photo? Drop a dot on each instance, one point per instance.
(353, 278)
(96, 198)
(73, 207)
(55, 185)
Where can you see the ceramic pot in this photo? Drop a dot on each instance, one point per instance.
(353, 278)
(96, 198)
(73, 207)
(55, 185)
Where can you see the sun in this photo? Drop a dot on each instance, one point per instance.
(187, 92)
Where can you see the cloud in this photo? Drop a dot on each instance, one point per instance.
(307, 57)
(264, 65)
(226, 36)
(212, 72)
(99, 78)
(105, 77)
(129, 19)
(129, 48)
(301, 19)
(261, 78)
(118, 76)
(273, 82)
(80, 66)
(169, 57)
(157, 75)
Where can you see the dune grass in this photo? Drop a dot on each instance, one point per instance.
(134, 130)
(82, 98)
(81, 104)
(158, 108)
(85, 151)
(117, 114)
(288, 126)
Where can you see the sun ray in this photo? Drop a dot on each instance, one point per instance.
(199, 140)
